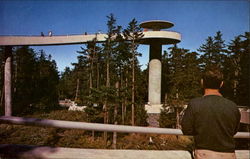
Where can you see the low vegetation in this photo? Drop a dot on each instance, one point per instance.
(29, 135)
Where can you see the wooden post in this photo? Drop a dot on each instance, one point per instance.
(7, 81)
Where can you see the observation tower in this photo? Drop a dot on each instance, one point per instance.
(155, 38)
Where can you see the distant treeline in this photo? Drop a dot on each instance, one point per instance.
(35, 81)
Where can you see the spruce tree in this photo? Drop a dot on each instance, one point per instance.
(134, 34)
(213, 51)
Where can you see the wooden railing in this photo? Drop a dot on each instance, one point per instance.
(46, 152)
(97, 127)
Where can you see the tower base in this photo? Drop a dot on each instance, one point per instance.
(153, 112)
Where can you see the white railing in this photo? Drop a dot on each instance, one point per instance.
(97, 127)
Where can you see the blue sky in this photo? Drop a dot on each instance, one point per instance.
(195, 20)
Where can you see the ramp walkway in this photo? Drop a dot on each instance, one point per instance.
(46, 152)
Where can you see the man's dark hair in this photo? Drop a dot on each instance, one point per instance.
(212, 77)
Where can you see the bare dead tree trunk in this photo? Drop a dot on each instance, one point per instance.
(90, 77)
(165, 98)
(108, 78)
(93, 60)
(177, 112)
(2, 92)
(177, 118)
(16, 73)
(2, 96)
(115, 116)
(97, 75)
(133, 87)
(106, 102)
(125, 103)
(121, 79)
(105, 134)
(77, 89)
(236, 74)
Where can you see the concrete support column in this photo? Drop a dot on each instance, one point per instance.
(155, 49)
(156, 38)
(154, 85)
(7, 81)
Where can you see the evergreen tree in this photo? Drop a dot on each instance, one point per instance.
(232, 69)
(48, 78)
(109, 52)
(66, 84)
(35, 80)
(237, 69)
(167, 117)
(213, 50)
(24, 79)
(80, 80)
(92, 54)
(244, 80)
(182, 81)
(165, 87)
(177, 72)
(134, 34)
(192, 76)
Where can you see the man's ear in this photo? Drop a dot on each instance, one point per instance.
(221, 84)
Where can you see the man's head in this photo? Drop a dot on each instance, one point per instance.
(212, 77)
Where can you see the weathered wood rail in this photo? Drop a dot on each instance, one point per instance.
(97, 127)
(45, 152)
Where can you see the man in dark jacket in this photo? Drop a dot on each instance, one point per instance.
(212, 119)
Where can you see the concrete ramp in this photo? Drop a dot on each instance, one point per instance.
(167, 37)
(46, 152)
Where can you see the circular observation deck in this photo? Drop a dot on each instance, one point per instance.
(155, 35)
(161, 37)
(156, 25)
